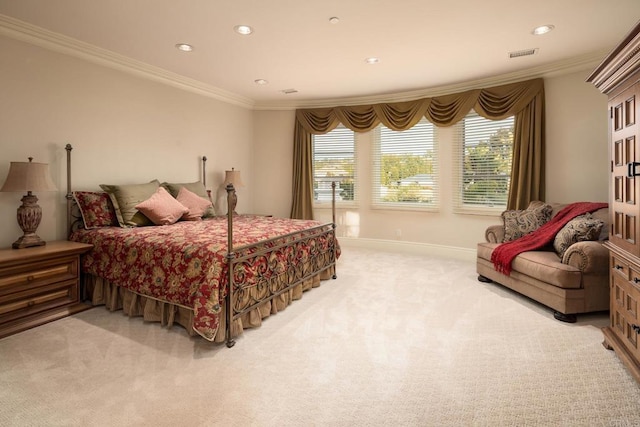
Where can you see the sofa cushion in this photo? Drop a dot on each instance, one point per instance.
(581, 228)
(518, 223)
(545, 266)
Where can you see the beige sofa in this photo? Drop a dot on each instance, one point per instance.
(577, 283)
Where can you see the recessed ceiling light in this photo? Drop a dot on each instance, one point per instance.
(260, 82)
(334, 19)
(184, 47)
(245, 30)
(289, 91)
(372, 60)
(542, 29)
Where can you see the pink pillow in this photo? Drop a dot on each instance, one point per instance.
(161, 208)
(197, 205)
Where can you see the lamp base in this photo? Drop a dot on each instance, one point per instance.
(29, 216)
(28, 241)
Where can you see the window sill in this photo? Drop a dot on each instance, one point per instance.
(339, 205)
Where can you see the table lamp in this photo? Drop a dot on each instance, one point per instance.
(233, 177)
(28, 176)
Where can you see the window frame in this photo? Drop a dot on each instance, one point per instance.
(326, 204)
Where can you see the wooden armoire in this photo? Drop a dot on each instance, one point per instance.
(618, 76)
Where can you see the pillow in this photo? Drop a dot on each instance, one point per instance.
(161, 208)
(126, 197)
(96, 209)
(196, 188)
(196, 204)
(518, 223)
(580, 229)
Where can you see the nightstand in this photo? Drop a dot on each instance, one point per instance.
(39, 284)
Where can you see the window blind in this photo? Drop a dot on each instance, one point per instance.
(405, 167)
(483, 153)
(334, 161)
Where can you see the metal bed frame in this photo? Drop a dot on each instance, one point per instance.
(272, 281)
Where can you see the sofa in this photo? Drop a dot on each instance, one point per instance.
(570, 277)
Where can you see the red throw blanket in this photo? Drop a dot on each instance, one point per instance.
(505, 253)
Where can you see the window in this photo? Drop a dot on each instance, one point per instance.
(334, 161)
(405, 167)
(483, 154)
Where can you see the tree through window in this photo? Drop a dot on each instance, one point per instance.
(486, 153)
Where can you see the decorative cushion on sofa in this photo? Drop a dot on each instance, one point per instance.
(581, 228)
(518, 223)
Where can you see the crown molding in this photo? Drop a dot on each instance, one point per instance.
(50, 40)
(555, 69)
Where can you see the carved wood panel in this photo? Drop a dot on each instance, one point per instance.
(625, 191)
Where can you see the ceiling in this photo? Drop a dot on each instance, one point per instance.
(424, 46)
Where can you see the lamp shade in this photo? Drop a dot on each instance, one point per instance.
(233, 177)
(28, 176)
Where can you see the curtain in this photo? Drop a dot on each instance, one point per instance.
(524, 100)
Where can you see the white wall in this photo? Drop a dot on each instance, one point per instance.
(273, 162)
(124, 129)
(128, 129)
(576, 170)
(577, 141)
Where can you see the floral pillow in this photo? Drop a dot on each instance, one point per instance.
(580, 229)
(518, 223)
(96, 209)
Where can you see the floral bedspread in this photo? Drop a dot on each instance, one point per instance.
(183, 263)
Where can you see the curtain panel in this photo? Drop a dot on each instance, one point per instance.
(524, 100)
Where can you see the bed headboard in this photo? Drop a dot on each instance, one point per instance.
(74, 218)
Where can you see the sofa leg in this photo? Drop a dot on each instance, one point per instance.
(483, 279)
(569, 318)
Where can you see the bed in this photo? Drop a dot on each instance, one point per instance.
(215, 276)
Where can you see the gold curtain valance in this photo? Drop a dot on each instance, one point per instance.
(523, 100)
(494, 103)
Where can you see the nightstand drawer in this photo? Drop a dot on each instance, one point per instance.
(39, 274)
(36, 300)
(39, 284)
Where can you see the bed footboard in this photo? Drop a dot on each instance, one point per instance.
(306, 255)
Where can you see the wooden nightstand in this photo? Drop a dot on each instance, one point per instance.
(39, 284)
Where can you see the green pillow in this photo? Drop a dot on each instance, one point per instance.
(126, 197)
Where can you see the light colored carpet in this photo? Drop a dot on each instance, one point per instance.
(398, 340)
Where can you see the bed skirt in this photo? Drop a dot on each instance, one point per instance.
(100, 291)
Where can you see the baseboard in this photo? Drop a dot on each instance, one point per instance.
(416, 248)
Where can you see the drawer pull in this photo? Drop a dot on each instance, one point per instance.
(636, 280)
(636, 328)
(618, 267)
(30, 278)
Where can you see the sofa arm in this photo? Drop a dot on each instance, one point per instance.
(494, 234)
(588, 257)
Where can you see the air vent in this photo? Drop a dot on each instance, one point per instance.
(289, 91)
(525, 52)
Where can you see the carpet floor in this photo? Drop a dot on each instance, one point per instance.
(396, 340)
